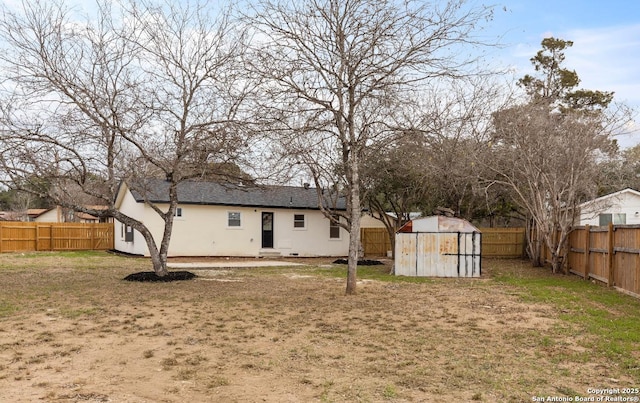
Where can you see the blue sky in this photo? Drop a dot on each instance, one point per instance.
(606, 36)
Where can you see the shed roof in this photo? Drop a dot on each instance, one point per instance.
(215, 193)
(438, 224)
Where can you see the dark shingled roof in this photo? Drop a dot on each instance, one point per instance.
(214, 193)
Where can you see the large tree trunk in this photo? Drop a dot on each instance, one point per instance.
(158, 259)
(561, 253)
(158, 256)
(354, 224)
(556, 263)
(159, 264)
(354, 241)
(534, 245)
(536, 258)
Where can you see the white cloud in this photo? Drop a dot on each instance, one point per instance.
(607, 59)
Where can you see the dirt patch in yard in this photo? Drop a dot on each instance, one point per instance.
(283, 335)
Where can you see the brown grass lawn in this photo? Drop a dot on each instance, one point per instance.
(72, 331)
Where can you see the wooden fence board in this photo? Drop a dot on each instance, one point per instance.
(496, 242)
(607, 254)
(35, 236)
(612, 255)
(375, 241)
(503, 242)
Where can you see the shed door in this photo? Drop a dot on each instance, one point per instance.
(267, 230)
(405, 256)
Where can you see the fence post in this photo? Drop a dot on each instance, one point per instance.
(1, 237)
(587, 250)
(610, 260)
(37, 237)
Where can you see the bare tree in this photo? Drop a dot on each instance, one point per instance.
(546, 151)
(337, 74)
(620, 171)
(430, 164)
(394, 182)
(455, 127)
(139, 89)
(549, 162)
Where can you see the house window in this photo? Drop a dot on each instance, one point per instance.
(334, 229)
(298, 221)
(178, 212)
(234, 219)
(616, 219)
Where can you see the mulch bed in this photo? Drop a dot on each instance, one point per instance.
(360, 262)
(149, 276)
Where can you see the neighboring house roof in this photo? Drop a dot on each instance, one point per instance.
(97, 207)
(602, 200)
(9, 216)
(32, 213)
(215, 193)
(36, 212)
(85, 216)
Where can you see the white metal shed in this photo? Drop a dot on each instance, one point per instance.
(438, 246)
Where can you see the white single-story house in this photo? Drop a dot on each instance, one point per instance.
(622, 207)
(214, 219)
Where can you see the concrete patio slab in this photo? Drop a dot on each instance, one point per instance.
(231, 264)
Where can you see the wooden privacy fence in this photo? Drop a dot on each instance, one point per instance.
(503, 242)
(41, 236)
(496, 242)
(607, 254)
(375, 241)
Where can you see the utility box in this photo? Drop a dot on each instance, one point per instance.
(438, 246)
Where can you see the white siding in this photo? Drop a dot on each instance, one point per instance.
(52, 215)
(623, 203)
(132, 209)
(313, 240)
(204, 231)
(366, 221)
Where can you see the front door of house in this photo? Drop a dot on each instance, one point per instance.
(267, 230)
